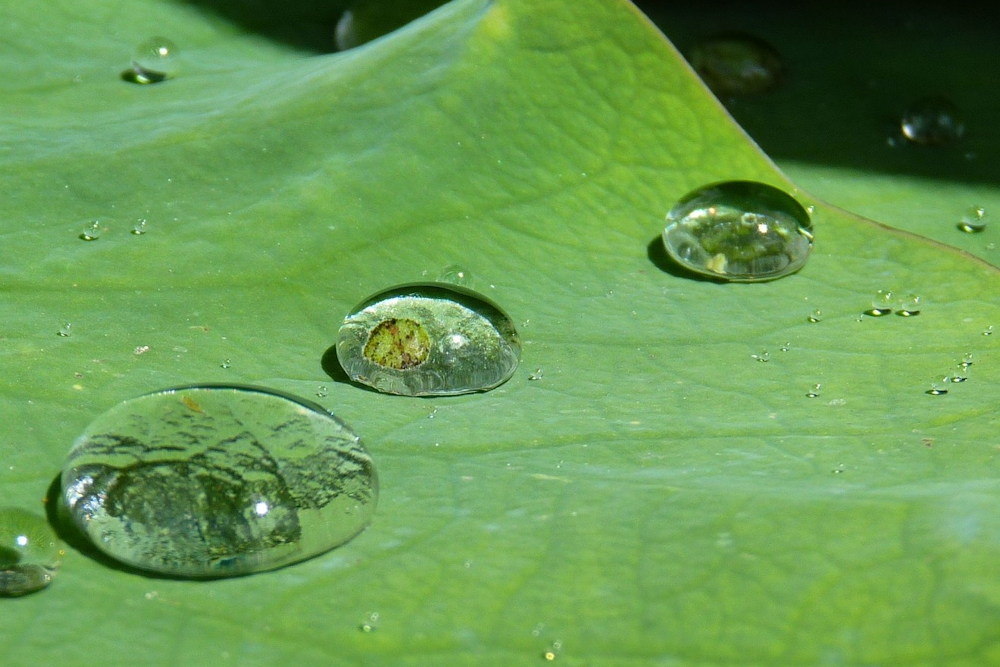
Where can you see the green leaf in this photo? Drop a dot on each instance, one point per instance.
(658, 495)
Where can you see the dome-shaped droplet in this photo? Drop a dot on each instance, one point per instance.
(739, 231)
(215, 481)
(737, 64)
(30, 554)
(932, 121)
(973, 220)
(428, 339)
(153, 61)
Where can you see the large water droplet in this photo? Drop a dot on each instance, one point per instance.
(153, 61)
(973, 220)
(30, 554)
(428, 339)
(932, 121)
(882, 303)
(215, 481)
(908, 305)
(737, 64)
(739, 231)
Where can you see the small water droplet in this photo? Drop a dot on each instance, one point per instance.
(537, 375)
(322, 391)
(973, 220)
(428, 339)
(370, 623)
(433, 413)
(785, 347)
(814, 392)
(932, 121)
(988, 331)
(30, 553)
(967, 360)
(140, 349)
(882, 303)
(456, 275)
(226, 363)
(909, 305)
(958, 378)
(815, 316)
(65, 330)
(739, 231)
(737, 64)
(91, 231)
(153, 61)
(763, 357)
(139, 227)
(218, 481)
(939, 387)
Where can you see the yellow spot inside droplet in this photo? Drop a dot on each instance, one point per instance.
(398, 344)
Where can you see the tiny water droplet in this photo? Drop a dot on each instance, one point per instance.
(30, 553)
(433, 413)
(815, 316)
(967, 360)
(882, 303)
(139, 227)
(932, 121)
(537, 375)
(763, 357)
(958, 378)
(939, 387)
(217, 481)
(66, 330)
(737, 64)
(322, 391)
(908, 305)
(153, 61)
(456, 275)
(370, 623)
(785, 347)
(740, 231)
(814, 392)
(988, 331)
(973, 220)
(91, 231)
(226, 363)
(140, 349)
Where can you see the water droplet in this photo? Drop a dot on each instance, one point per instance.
(815, 316)
(967, 360)
(785, 347)
(226, 363)
(909, 305)
(218, 481)
(370, 623)
(153, 61)
(988, 331)
(737, 64)
(537, 375)
(973, 220)
(65, 330)
(739, 231)
(456, 275)
(957, 378)
(322, 391)
(139, 227)
(939, 387)
(814, 392)
(428, 339)
(882, 303)
(932, 121)
(140, 349)
(764, 356)
(91, 231)
(30, 554)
